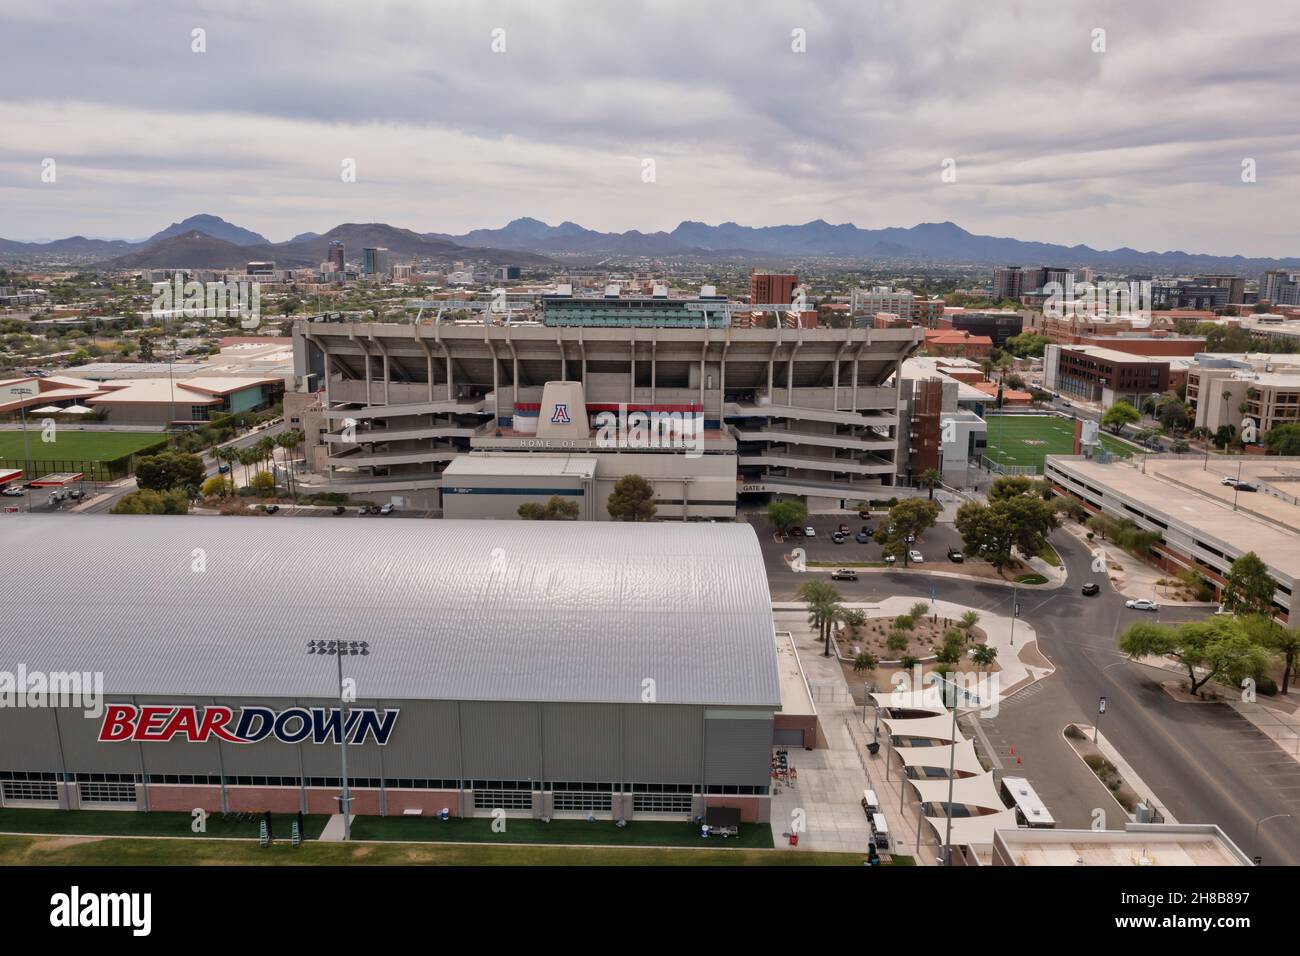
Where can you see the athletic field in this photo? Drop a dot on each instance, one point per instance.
(1028, 439)
(73, 445)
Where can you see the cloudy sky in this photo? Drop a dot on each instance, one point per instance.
(1140, 145)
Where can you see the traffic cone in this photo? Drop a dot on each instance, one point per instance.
(1017, 758)
(1013, 749)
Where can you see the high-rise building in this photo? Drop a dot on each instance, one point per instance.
(1008, 283)
(335, 256)
(772, 287)
(374, 261)
(1280, 287)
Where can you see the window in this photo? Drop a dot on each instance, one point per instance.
(661, 803)
(30, 790)
(503, 799)
(582, 800)
(106, 792)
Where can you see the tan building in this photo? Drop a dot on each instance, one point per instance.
(1225, 391)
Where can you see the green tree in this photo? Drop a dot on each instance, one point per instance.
(1028, 344)
(1215, 649)
(1283, 439)
(931, 477)
(632, 499)
(909, 518)
(785, 515)
(970, 619)
(168, 470)
(1250, 587)
(556, 509)
(986, 533)
(1119, 415)
(218, 486)
(290, 441)
(984, 655)
(823, 600)
(864, 662)
(149, 502)
(263, 484)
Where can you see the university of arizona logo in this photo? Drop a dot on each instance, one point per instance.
(561, 416)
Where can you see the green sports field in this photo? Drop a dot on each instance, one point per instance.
(1028, 439)
(73, 445)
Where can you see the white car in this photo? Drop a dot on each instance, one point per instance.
(13, 492)
(916, 557)
(1142, 604)
(1228, 481)
(387, 509)
(810, 532)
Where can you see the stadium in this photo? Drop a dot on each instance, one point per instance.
(543, 668)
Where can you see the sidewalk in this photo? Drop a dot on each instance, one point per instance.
(333, 832)
(1135, 783)
(826, 798)
(1131, 577)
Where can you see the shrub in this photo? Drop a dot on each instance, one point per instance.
(909, 662)
(918, 611)
(897, 641)
(904, 622)
(218, 486)
(864, 662)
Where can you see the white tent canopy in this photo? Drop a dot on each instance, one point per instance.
(77, 410)
(45, 410)
(978, 791)
(936, 727)
(964, 759)
(976, 831)
(930, 699)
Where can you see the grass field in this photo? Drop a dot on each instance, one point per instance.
(1012, 436)
(91, 851)
(74, 446)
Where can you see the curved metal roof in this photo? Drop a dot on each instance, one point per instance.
(453, 610)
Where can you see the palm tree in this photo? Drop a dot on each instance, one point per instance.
(823, 606)
(984, 654)
(290, 442)
(229, 455)
(930, 477)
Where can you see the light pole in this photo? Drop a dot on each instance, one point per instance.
(1236, 489)
(27, 458)
(338, 649)
(1015, 609)
(1258, 823)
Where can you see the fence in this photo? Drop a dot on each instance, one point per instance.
(990, 465)
(93, 470)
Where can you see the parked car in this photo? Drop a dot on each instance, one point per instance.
(339, 509)
(12, 491)
(840, 537)
(1246, 486)
(387, 509)
(844, 574)
(366, 509)
(796, 532)
(76, 494)
(862, 537)
(956, 555)
(916, 557)
(810, 532)
(864, 515)
(843, 529)
(891, 559)
(1142, 604)
(271, 509)
(1091, 588)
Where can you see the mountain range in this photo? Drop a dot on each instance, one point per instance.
(207, 241)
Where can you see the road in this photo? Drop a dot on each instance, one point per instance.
(1207, 763)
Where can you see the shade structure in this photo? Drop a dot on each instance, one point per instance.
(77, 410)
(935, 727)
(977, 791)
(964, 760)
(45, 410)
(930, 700)
(974, 831)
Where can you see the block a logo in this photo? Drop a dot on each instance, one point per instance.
(561, 415)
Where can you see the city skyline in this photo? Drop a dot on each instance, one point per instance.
(1141, 145)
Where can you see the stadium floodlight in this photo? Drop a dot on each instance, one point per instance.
(338, 650)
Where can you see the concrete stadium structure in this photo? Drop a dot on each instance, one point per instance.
(810, 412)
(543, 668)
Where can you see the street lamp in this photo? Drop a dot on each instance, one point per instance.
(1255, 843)
(338, 649)
(27, 458)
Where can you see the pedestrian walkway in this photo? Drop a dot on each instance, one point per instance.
(333, 832)
(824, 801)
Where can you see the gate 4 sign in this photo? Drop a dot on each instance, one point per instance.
(159, 723)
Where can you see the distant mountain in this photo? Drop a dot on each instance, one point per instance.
(569, 237)
(214, 226)
(943, 243)
(193, 250)
(529, 241)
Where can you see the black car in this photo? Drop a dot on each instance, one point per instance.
(1246, 486)
(956, 556)
(1091, 588)
(862, 537)
(339, 509)
(272, 509)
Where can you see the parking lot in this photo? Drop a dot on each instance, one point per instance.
(933, 545)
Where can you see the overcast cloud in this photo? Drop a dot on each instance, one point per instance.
(1141, 145)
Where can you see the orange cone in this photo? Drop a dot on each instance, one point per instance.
(1017, 758)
